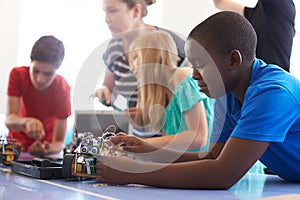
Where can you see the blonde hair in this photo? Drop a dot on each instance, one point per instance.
(157, 53)
(144, 3)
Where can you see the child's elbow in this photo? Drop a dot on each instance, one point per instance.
(226, 184)
(199, 142)
(8, 123)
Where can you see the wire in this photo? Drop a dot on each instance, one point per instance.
(106, 130)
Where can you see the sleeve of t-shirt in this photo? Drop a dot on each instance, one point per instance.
(265, 116)
(113, 52)
(14, 83)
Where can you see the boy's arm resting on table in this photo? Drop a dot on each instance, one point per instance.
(235, 159)
(165, 155)
(44, 149)
(59, 133)
(212, 153)
(195, 137)
(146, 151)
(230, 5)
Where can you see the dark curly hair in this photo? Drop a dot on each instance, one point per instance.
(48, 49)
(226, 31)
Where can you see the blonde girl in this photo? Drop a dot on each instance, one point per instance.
(168, 97)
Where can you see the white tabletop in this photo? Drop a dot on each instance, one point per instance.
(251, 186)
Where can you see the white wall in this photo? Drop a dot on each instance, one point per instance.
(183, 15)
(178, 15)
(192, 12)
(9, 34)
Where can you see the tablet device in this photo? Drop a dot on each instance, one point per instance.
(97, 121)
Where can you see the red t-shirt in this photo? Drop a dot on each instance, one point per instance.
(48, 105)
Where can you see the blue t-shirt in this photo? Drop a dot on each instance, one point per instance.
(270, 113)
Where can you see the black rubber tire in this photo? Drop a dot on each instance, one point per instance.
(11, 151)
(94, 150)
(16, 152)
(67, 166)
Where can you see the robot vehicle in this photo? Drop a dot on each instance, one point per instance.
(8, 150)
(81, 163)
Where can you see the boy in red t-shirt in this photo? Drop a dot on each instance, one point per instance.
(39, 100)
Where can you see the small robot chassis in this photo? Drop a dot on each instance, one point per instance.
(81, 163)
(8, 150)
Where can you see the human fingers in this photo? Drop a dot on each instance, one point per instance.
(133, 149)
(36, 149)
(31, 128)
(141, 147)
(131, 144)
(121, 134)
(103, 95)
(47, 145)
(40, 134)
(33, 134)
(98, 94)
(118, 139)
(101, 172)
(125, 140)
(38, 145)
(116, 142)
(35, 129)
(107, 95)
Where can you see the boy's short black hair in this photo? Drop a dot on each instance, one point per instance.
(226, 31)
(48, 49)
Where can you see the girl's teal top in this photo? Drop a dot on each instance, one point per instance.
(185, 96)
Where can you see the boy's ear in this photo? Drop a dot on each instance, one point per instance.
(235, 59)
(137, 11)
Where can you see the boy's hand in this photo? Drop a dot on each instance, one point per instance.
(117, 170)
(103, 94)
(39, 149)
(34, 128)
(132, 144)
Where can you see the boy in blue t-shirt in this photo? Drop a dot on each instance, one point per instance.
(260, 120)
